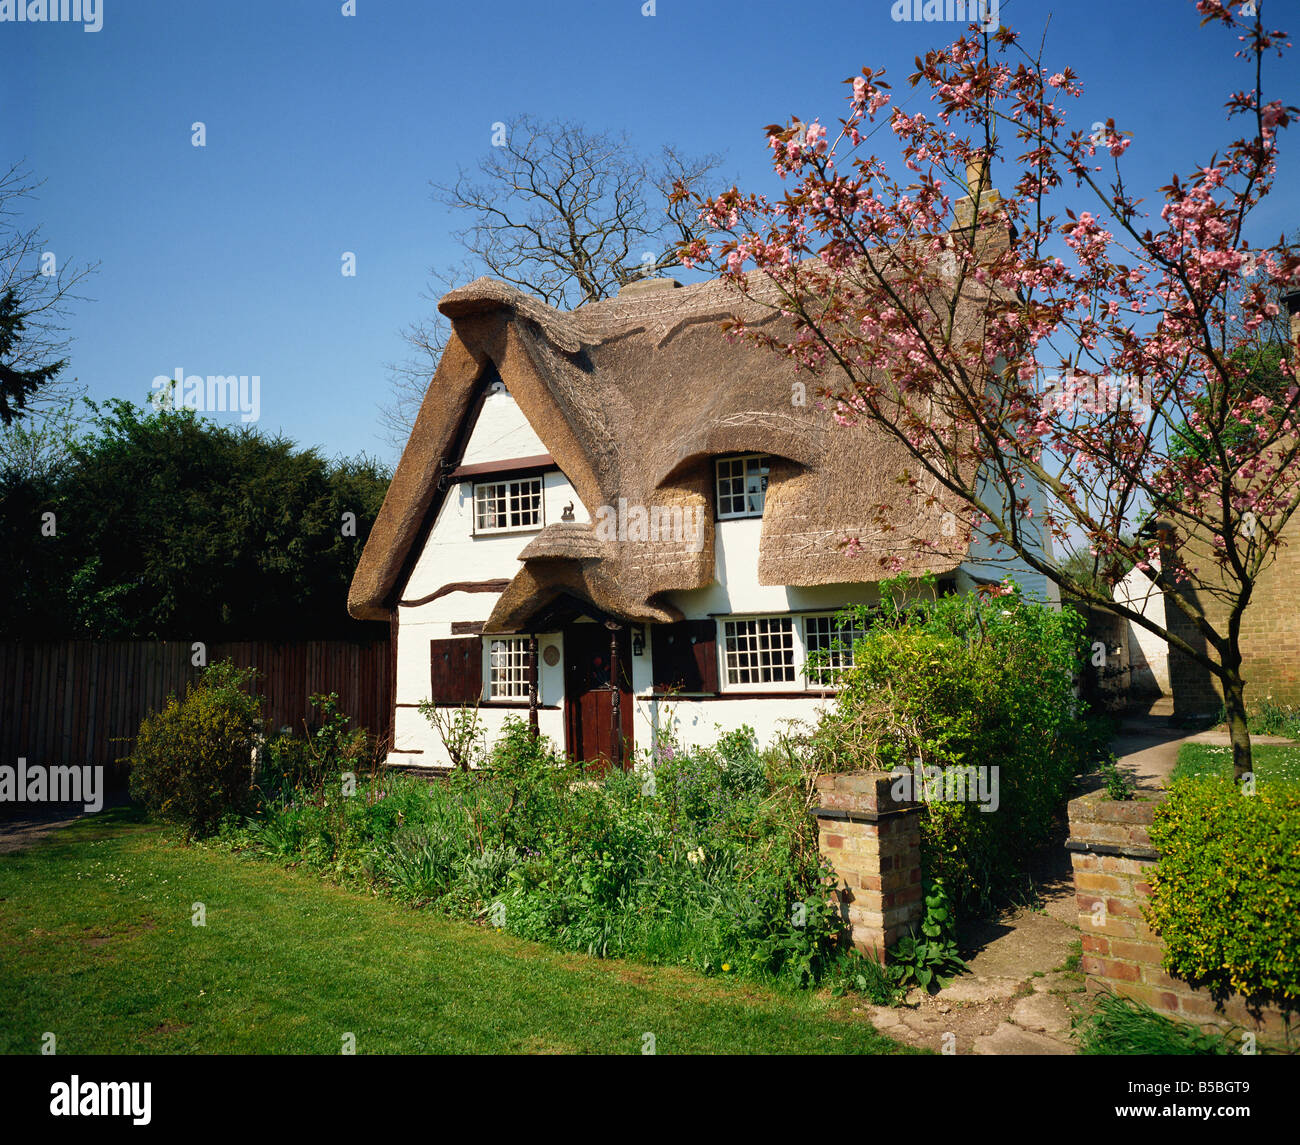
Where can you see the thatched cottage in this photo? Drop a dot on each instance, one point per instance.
(611, 519)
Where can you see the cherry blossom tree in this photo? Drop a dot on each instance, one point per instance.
(1015, 341)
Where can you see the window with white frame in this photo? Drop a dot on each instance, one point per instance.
(741, 485)
(507, 668)
(500, 506)
(828, 649)
(758, 652)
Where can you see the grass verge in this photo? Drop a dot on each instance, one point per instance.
(97, 946)
(1273, 762)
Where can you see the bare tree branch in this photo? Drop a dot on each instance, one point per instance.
(565, 213)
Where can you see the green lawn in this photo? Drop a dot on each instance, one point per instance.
(97, 947)
(1273, 762)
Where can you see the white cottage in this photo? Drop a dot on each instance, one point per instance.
(611, 519)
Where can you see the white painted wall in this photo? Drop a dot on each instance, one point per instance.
(452, 553)
(736, 592)
(1148, 654)
(699, 723)
(501, 433)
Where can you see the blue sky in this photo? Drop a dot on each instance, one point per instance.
(323, 132)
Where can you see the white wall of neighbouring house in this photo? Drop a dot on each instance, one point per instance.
(1148, 653)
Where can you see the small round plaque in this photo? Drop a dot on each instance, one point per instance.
(550, 655)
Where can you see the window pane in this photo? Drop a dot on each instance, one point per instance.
(755, 483)
(508, 669)
(490, 506)
(508, 505)
(759, 651)
(741, 486)
(835, 642)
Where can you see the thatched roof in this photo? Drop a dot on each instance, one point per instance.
(633, 397)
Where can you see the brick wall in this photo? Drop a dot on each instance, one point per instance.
(874, 843)
(1270, 632)
(1113, 858)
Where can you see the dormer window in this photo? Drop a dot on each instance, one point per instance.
(506, 506)
(741, 485)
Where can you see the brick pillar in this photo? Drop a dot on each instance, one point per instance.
(874, 844)
(1113, 860)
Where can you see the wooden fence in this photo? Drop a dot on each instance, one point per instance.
(81, 702)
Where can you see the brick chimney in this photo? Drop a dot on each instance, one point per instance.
(647, 286)
(1291, 300)
(978, 183)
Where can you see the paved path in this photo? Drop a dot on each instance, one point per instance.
(1147, 747)
(1017, 998)
(18, 832)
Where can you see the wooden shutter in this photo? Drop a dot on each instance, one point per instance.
(456, 670)
(685, 656)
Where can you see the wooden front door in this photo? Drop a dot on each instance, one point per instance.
(589, 699)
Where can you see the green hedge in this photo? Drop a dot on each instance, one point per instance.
(1225, 896)
(969, 681)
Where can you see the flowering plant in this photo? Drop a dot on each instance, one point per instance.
(1052, 373)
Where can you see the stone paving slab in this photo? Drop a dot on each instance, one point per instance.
(1012, 1040)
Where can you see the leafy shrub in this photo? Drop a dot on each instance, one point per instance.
(929, 959)
(1120, 785)
(291, 762)
(1121, 1026)
(336, 747)
(193, 761)
(1225, 895)
(521, 800)
(968, 681)
(461, 731)
(287, 762)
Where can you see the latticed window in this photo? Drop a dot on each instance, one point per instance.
(508, 669)
(759, 651)
(829, 648)
(503, 505)
(742, 485)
